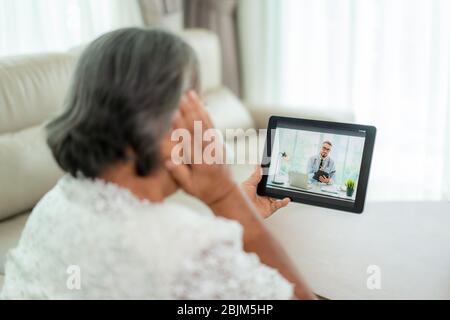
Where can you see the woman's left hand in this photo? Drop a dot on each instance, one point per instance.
(266, 206)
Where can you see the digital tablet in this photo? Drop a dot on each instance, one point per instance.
(320, 163)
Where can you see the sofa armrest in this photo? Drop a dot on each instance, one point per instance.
(261, 114)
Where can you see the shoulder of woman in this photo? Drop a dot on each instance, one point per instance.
(174, 231)
(181, 218)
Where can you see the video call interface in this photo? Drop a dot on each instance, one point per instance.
(323, 163)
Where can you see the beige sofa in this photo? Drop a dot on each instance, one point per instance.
(32, 89)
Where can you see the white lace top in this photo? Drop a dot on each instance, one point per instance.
(92, 240)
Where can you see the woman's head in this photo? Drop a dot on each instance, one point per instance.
(126, 87)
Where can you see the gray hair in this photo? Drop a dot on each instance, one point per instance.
(126, 87)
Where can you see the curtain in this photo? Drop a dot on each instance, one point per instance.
(32, 26)
(218, 16)
(387, 61)
(163, 13)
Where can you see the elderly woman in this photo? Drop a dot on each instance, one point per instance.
(105, 230)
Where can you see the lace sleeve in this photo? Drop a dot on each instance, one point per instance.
(224, 271)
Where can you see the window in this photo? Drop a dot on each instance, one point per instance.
(34, 26)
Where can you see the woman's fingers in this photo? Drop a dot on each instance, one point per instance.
(192, 116)
(207, 125)
(179, 123)
(192, 109)
(181, 174)
(285, 202)
(201, 110)
(280, 204)
(187, 113)
(256, 177)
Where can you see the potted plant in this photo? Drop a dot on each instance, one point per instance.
(350, 184)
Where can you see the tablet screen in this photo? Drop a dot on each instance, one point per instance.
(320, 163)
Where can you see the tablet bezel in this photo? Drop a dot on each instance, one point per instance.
(311, 199)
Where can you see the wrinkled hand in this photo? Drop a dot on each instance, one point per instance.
(207, 182)
(266, 206)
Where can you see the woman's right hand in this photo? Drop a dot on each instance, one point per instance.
(210, 183)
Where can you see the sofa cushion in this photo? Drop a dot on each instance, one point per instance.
(27, 170)
(226, 110)
(10, 232)
(32, 88)
(207, 47)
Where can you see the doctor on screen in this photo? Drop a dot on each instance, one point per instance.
(321, 167)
